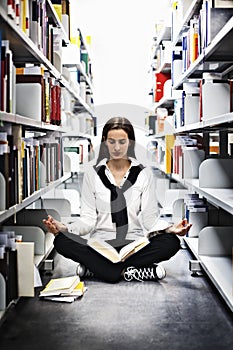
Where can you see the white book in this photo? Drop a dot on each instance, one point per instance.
(24, 107)
(25, 266)
(59, 286)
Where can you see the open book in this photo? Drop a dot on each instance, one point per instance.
(64, 286)
(111, 253)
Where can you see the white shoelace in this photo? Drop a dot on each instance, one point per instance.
(139, 274)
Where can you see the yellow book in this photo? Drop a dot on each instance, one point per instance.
(77, 291)
(58, 9)
(169, 144)
(59, 286)
(24, 16)
(111, 253)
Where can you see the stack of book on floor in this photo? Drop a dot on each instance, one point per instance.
(65, 289)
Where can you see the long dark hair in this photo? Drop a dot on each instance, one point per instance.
(117, 123)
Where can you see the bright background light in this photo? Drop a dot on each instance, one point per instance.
(122, 32)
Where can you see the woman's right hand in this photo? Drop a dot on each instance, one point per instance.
(54, 226)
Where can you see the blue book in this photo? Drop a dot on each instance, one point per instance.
(184, 52)
(182, 121)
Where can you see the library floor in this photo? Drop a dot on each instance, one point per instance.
(179, 312)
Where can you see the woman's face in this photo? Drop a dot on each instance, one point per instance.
(117, 143)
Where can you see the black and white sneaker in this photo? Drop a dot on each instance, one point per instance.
(154, 272)
(82, 271)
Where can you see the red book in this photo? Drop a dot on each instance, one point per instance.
(58, 105)
(160, 80)
(53, 101)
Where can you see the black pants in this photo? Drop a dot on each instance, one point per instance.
(162, 247)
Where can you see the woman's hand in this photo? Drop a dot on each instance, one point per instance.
(54, 226)
(180, 229)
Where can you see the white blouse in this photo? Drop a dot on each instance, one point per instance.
(95, 217)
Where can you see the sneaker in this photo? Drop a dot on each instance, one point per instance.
(82, 271)
(154, 272)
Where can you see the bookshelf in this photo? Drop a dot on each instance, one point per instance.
(214, 57)
(30, 48)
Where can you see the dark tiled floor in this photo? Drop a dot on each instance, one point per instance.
(180, 312)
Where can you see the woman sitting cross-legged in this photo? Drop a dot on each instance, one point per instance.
(118, 206)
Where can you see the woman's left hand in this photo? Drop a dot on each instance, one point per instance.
(180, 229)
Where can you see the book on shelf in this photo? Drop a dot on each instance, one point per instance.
(45, 93)
(160, 79)
(25, 16)
(51, 157)
(31, 166)
(194, 29)
(185, 58)
(8, 84)
(10, 9)
(33, 84)
(169, 143)
(21, 162)
(9, 166)
(8, 269)
(109, 252)
(30, 70)
(63, 286)
(25, 268)
(17, 135)
(221, 3)
(66, 16)
(34, 22)
(216, 96)
(176, 66)
(196, 211)
(188, 154)
(57, 4)
(162, 114)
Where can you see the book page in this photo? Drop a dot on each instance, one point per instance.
(133, 247)
(111, 253)
(104, 249)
